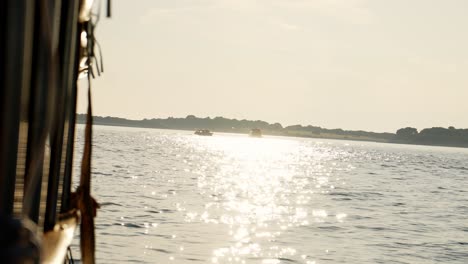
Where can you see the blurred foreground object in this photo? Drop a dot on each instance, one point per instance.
(42, 54)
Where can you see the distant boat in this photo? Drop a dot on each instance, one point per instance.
(203, 132)
(255, 132)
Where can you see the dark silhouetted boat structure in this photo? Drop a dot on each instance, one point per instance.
(203, 132)
(45, 45)
(255, 132)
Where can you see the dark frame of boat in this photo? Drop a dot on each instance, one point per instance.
(40, 55)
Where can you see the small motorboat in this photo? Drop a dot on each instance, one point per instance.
(203, 132)
(255, 132)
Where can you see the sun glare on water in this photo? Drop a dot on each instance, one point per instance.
(258, 193)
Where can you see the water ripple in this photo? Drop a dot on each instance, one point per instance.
(172, 197)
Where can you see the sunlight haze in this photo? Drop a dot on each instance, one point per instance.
(352, 64)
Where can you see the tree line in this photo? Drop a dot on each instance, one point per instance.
(450, 136)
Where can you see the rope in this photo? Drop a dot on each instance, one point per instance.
(84, 202)
(69, 259)
(82, 198)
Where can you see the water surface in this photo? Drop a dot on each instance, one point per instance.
(174, 197)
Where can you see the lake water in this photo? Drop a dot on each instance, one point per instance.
(174, 197)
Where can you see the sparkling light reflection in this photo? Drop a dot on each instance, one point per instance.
(259, 191)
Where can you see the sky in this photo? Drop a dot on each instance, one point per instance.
(375, 65)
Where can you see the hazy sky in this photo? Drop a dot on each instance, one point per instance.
(355, 64)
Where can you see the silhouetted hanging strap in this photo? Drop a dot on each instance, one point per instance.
(83, 200)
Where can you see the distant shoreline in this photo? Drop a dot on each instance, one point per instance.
(436, 136)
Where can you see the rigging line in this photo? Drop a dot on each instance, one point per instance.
(85, 203)
(108, 8)
(90, 49)
(70, 256)
(97, 67)
(99, 64)
(90, 68)
(98, 70)
(101, 58)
